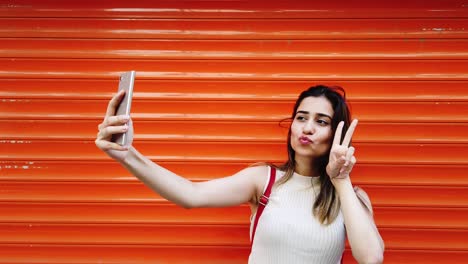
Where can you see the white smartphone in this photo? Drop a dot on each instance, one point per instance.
(127, 79)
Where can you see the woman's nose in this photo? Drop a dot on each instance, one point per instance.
(308, 128)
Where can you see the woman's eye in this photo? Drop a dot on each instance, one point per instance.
(301, 118)
(322, 122)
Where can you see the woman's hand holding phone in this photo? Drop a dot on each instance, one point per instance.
(115, 124)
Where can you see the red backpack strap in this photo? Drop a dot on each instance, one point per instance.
(263, 201)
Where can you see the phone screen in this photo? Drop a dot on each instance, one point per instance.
(126, 82)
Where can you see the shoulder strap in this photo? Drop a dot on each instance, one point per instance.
(263, 201)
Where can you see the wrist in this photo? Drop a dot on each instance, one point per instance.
(342, 184)
(131, 157)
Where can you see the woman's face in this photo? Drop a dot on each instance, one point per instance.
(311, 130)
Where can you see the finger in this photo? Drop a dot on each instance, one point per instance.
(349, 133)
(116, 120)
(341, 161)
(114, 102)
(111, 130)
(346, 169)
(339, 129)
(107, 145)
(349, 155)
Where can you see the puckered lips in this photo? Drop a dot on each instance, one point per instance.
(304, 140)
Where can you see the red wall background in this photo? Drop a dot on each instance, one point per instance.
(213, 80)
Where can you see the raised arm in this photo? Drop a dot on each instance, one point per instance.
(366, 243)
(239, 188)
(233, 190)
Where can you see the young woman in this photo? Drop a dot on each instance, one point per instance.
(313, 206)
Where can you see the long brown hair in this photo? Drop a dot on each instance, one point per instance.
(326, 206)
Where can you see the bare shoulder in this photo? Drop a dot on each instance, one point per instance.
(259, 175)
(363, 198)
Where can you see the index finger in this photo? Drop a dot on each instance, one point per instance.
(349, 133)
(114, 102)
(339, 130)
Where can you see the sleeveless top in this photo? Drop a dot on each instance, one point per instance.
(288, 232)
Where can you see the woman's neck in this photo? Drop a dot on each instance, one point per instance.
(305, 167)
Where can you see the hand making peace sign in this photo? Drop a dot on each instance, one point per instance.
(342, 158)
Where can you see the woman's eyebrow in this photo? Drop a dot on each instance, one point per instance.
(308, 113)
(324, 115)
(302, 112)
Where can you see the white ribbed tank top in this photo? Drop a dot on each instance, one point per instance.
(287, 231)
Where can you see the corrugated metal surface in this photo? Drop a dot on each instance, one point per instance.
(214, 78)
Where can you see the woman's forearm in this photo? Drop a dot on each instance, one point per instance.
(164, 182)
(363, 237)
